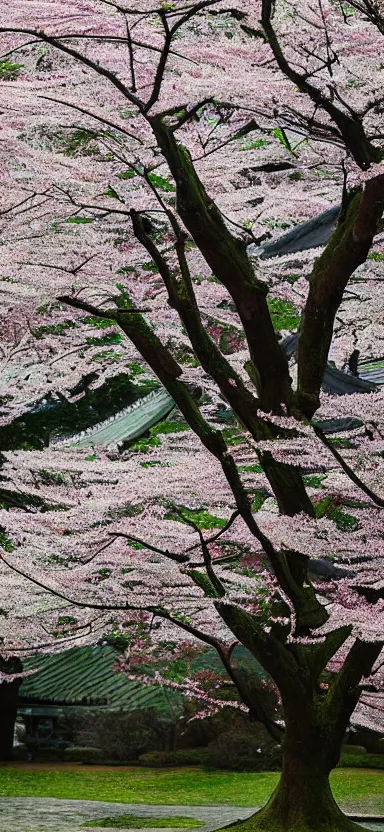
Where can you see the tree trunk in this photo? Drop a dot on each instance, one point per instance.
(7, 727)
(302, 800)
(8, 707)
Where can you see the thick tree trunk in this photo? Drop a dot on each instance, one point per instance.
(302, 800)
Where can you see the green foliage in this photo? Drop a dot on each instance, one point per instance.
(375, 255)
(160, 182)
(260, 498)
(76, 754)
(347, 9)
(80, 144)
(151, 439)
(281, 136)
(80, 220)
(324, 174)
(150, 266)
(202, 518)
(257, 469)
(49, 307)
(127, 174)
(232, 436)
(344, 522)
(339, 440)
(362, 760)
(205, 583)
(8, 70)
(136, 369)
(277, 223)
(143, 444)
(253, 144)
(142, 822)
(283, 314)
(5, 541)
(51, 477)
(283, 139)
(123, 301)
(53, 329)
(113, 194)
(99, 323)
(66, 619)
(129, 510)
(314, 480)
(185, 355)
(109, 338)
(240, 751)
(107, 355)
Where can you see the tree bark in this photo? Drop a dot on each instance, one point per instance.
(302, 800)
(7, 722)
(8, 707)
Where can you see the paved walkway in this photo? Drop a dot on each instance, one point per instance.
(50, 814)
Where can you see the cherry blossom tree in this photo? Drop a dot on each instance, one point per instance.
(171, 104)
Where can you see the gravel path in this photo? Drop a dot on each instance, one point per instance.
(49, 814)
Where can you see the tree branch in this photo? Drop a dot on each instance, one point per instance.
(350, 126)
(346, 250)
(348, 470)
(228, 259)
(165, 552)
(68, 50)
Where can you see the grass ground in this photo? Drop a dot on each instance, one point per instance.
(135, 822)
(182, 786)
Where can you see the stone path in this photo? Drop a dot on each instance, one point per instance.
(49, 814)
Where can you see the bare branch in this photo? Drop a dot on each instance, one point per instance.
(348, 470)
(350, 126)
(165, 552)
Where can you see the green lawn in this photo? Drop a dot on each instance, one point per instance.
(135, 822)
(191, 786)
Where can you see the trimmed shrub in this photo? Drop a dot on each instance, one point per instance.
(365, 760)
(158, 759)
(183, 757)
(244, 752)
(124, 735)
(353, 749)
(76, 754)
